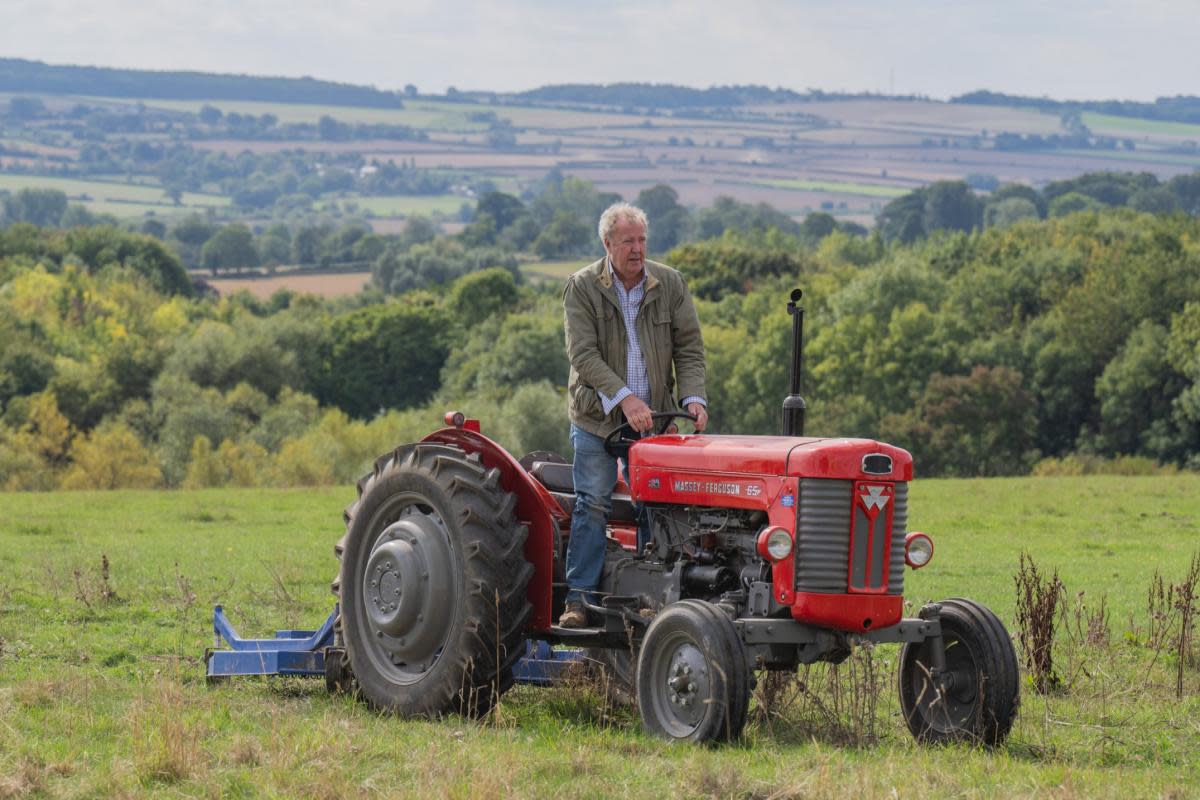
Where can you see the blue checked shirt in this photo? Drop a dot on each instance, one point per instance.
(637, 380)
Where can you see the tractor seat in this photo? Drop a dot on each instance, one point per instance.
(556, 477)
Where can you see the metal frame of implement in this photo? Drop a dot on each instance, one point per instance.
(302, 652)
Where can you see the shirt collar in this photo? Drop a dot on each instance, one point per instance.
(616, 279)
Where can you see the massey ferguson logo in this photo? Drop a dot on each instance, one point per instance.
(874, 496)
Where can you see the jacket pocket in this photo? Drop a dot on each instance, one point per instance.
(587, 402)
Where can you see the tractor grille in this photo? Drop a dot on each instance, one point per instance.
(823, 540)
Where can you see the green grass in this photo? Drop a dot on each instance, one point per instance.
(553, 270)
(105, 697)
(1109, 123)
(1141, 156)
(425, 115)
(867, 189)
(403, 206)
(121, 199)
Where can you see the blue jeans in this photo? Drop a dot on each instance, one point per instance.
(594, 473)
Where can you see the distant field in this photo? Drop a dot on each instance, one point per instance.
(1143, 156)
(403, 206)
(327, 285)
(1108, 123)
(424, 115)
(553, 270)
(867, 189)
(121, 199)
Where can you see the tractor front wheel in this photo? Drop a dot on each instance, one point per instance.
(693, 679)
(432, 584)
(975, 697)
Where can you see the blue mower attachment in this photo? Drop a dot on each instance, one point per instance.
(315, 653)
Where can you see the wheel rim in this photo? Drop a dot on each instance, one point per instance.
(409, 590)
(681, 684)
(951, 709)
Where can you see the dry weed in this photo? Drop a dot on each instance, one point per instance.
(246, 751)
(837, 703)
(1038, 598)
(705, 780)
(29, 777)
(95, 589)
(165, 746)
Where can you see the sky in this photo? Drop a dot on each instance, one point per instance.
(1064, 49)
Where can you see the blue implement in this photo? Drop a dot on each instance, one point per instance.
(288, 653)
(294, 652)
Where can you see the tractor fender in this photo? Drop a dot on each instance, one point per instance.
(535, 508)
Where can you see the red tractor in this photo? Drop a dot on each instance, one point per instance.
(758, 552)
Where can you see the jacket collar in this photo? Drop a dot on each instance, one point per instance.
(603, 274)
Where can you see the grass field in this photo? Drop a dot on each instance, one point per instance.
(120, 199)
(1142, 156)
(334, 284)
(403, 206)
(1110, 123)
(101, 690)
(867, 189)
(553, 270)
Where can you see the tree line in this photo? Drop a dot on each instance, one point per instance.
(956, 206)
(24, 76)
(1181, 108)
(1049, 344)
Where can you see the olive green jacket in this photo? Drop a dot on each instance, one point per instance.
(668, 331)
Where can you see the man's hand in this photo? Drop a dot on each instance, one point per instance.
(701, 414)
(637, 413)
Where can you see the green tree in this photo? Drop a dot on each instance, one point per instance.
(503, 208)
(951, 205)
(1008, 212)
(1072, 203)
(903, 219)
(670, 222)
(386, 356)
(1186, 189)
(41, 207)
(566, 235)
(111, 458)
(1137, 393)
(974, 425)
(102, 247)
(479, 295)
(231, 247)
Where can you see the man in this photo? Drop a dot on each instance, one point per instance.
(632, 334)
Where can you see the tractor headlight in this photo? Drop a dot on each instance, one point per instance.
(775, 543)
(918, 550)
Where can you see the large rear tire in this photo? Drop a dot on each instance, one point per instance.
(693, 679)
(976, 698)
(432, 584)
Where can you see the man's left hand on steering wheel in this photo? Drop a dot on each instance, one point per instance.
(700, 412)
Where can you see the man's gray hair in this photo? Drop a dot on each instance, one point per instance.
(618, 212)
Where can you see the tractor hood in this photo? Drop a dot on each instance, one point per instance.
(801, 457)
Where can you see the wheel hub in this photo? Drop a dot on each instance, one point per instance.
(406, 591)
(687, 681)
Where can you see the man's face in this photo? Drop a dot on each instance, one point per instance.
(626, 246)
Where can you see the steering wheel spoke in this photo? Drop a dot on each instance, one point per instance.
(618, 442)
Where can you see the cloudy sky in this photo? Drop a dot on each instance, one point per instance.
(1130, 49)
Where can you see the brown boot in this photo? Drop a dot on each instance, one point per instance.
(575, 616)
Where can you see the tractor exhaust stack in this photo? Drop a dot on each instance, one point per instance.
(793, 404)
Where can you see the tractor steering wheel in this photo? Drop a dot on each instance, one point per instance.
(617, 443)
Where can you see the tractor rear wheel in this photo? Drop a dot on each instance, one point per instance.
(432, 584)
(975, 698)
(693, 679)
